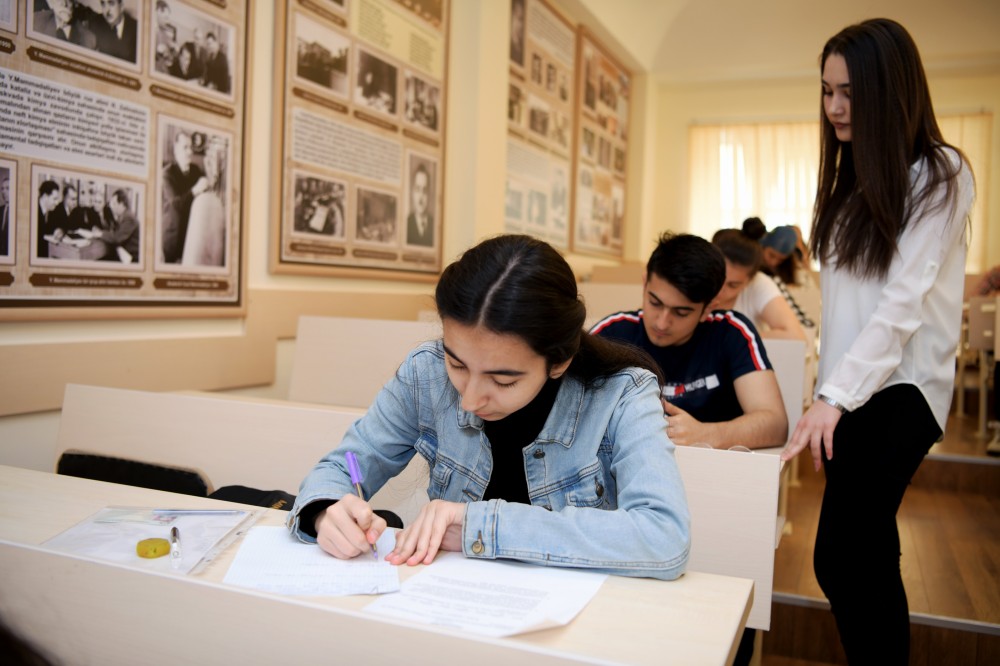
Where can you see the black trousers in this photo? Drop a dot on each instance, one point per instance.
(876, 451)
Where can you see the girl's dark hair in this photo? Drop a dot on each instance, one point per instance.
(865, 195)
(519, 285)
(755, 228)
(739, 248)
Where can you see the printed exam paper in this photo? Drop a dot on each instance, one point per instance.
(490, 597)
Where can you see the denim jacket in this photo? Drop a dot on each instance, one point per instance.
(605, 490)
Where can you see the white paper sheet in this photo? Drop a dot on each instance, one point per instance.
(112, 534)
(490, 597)
(272, 560)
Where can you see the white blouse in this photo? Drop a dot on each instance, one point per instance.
(902, 329)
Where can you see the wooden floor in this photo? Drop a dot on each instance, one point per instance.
(949, 525)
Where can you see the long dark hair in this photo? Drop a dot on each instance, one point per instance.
(519, 285)
(739, 248)
(865, 195)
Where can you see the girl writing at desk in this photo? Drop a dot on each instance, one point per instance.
(544, 444)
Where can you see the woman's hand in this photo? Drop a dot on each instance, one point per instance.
(348, 528)
(437, 527)
(815, 430)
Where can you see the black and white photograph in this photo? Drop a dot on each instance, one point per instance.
(83, 219)
(428, 10)
(517, 28)
(617, 210)
(421, 194)
(538, 116)
(192, 49)
(559, 199)
(604, 153)
(551, 77)
(322, 55)
(515, 105)
(608, 92)
(536, 68)
(537, 209)
(320, 205)
(623, 114)
(376, 83)
(193, 225)
(589, 139)
(8, 204)
(589, 78)
(376, 216)
(107, 30)
(8, 15)
(421, 102)
(513, 202)
(559, 129)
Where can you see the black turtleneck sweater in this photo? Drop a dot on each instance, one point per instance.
(508, 437)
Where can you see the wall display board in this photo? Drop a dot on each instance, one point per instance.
(539, 121)
(360, 126)
(121, 157)
(602, 144)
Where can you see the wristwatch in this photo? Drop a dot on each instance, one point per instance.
(833, 403)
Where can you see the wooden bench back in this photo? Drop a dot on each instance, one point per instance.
(345, 361)
(266, 444)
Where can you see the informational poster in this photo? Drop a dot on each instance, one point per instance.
(602, 144)
(121, 156)
(539, 121)
(360, 132)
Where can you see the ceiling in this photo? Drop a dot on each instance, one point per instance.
(688, 41)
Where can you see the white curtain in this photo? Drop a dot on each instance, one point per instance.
(971, 133)
(769, 170)
(763, 170)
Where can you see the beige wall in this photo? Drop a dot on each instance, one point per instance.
(39, 358)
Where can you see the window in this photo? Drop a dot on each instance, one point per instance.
(769, 170)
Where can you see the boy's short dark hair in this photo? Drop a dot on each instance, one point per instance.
(690, 264)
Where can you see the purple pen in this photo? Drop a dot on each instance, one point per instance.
(356, 478)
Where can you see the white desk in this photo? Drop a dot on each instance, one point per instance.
(84, 611)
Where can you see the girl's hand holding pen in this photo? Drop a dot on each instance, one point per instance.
(348, 528)
(437, 527)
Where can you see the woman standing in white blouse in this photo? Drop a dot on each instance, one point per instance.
(889, 229)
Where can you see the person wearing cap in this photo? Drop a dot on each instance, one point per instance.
(778, 256)
(784, 259)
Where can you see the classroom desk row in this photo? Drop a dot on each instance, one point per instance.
(83, 611)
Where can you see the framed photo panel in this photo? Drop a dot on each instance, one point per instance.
(121, 166)
(540, 114)
(361, 95)
(602, 145)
